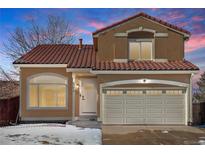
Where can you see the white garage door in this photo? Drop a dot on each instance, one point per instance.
(144, 106)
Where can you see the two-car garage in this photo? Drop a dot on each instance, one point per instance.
(144, 106)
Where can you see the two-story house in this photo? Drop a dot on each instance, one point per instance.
(134, 73)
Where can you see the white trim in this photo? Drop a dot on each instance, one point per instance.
(73, 97)
(41, 65)
(190, 100)
(141, 29)
(81, 70)
(186, 111)
(28, 108)
(144, 81)
(120, 34)
(144, 88)
(143, 72)
(96, 35)
(45, 118)
(146, 30)
(167, 82)
(161, 35)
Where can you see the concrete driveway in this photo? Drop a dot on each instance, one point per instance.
(152, 135)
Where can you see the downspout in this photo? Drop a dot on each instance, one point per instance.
(190, 101)
(73, 96)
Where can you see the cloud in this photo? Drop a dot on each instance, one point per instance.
(83, 31)
(96, 25)
(196, 42)
(197, 18)
(154, 9)
(173, 15)
(29, 17)
(182, 24)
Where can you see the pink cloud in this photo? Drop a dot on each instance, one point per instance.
(197, 18)
(29, 17)
(182, 24)
(96, 25)
(173, 15)
(195, 42)
(154, 9)
(83, 31)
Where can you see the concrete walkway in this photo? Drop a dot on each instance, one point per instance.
(152, 135)
(86, 124)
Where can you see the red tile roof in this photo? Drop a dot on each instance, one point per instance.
(60, 54)
(145, 16)
(145, 65)
(86, 58)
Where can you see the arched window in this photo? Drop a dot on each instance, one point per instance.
(47, 90)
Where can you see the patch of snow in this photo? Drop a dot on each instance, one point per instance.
(202, 142)
(165, 131)
(49, 134)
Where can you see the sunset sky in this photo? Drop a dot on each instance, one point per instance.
(85, 21)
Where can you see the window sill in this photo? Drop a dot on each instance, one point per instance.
(47, 108)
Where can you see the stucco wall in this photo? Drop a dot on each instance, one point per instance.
(34, 113)
(111, 47)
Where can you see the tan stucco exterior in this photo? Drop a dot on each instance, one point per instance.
(111, 47)
(35, 113)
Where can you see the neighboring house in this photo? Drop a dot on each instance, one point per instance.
(9, 89)
(134, 73)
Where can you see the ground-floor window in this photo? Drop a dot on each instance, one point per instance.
(47, 91)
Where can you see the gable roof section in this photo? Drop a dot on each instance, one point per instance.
(171, 26)
(60, 54)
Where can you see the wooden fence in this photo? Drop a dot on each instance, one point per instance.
(9, 110)
(198, 113)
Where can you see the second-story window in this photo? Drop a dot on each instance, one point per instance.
(140, 49)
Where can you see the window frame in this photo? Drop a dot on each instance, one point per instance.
(141, 40)
(28, 107)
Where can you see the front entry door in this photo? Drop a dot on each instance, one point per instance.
(88, 97)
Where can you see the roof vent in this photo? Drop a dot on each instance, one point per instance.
(80, 43)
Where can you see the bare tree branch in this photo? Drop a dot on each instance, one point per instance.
(57, 30)
(5, 76)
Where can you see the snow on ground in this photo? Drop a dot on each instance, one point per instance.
(49, 134)
(165, 131)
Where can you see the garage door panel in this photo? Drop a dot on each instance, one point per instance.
(138, 113)
(154, 120)
(153, 107)
(174, 121)
(113, 121)
(134, 120)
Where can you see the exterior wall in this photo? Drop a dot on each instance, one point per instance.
(103, 78)
(44, 113)
(111, 47)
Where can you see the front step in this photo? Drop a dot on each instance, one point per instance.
(88, 118)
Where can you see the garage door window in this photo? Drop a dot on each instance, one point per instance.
(154, 92)
(174, 92)
(134, 92)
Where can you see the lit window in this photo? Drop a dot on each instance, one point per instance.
(47, 91)
(140, 50)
